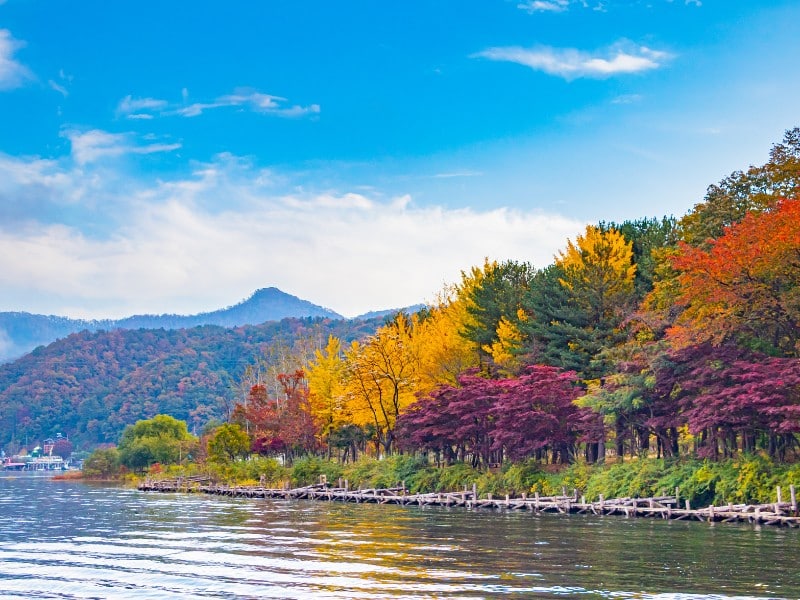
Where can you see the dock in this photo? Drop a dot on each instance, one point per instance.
(778, 513)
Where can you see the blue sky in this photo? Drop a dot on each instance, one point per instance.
(175, 156)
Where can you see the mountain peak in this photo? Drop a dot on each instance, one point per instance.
(22, 332)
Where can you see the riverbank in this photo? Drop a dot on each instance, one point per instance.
(750, 480)
(665, 507)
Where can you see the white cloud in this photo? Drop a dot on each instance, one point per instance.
(174, 252)
(533, 6)
(147, 108)
(95, 144)
(130, 106)
(570, 63)
(452, 174)
(58, 88)
(12, 73)
(61, 85)
(627, 99)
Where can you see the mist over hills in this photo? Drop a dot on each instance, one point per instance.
(21, 332)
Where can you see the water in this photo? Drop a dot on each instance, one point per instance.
(74, 540)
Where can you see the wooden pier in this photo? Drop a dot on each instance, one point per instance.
(663, 507)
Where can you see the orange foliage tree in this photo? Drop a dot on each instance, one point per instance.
(746, 286)
(281, 424)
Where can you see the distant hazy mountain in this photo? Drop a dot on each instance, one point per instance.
(390, 312)
(21, 332)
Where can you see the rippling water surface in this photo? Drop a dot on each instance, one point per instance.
(73, 540)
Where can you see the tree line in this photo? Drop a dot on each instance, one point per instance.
(656, 336)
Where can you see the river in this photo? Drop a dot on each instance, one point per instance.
(75, 540)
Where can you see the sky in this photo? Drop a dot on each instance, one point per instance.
(173, 157)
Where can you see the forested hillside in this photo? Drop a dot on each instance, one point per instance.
(90, 385)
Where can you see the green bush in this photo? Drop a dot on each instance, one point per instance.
(103, 463)
(251, 471)
(307, 470)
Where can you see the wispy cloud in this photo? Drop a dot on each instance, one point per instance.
(140, 108)
(569, 63)
(559, 6)
(13, 74)
(534, 6)
(60, 85)
(95, 144)
(173, 247)
(627, 99)
(452, 174)
(245, 98)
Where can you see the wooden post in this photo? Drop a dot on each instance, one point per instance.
(779, 494)
(602, 502)
(563, 490)
(346, 485)
(475, 492)
(536, 500)
(677, 496)
(688, 506)
(583, 499)
(793, 495)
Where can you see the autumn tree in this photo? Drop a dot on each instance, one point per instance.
(755, 190)
(454, 421)
(734, 399)
(535, 415)
(280, 424)
(649, 238)
(746, 286)
(381, 378)
(494, 294)
(576, 307)
(325, 374)
(632, 406)
(442, 352)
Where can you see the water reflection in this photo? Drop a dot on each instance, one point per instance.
(69, 540)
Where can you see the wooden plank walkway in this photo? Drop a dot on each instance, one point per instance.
(664, 507)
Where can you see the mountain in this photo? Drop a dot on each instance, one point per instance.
(375, 314)
(90, 385)
(21, 332)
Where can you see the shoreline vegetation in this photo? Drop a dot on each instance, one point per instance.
(778, 513)
(744, 489)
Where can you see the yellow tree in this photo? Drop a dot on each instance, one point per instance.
(326, 373)
(597, 274)
(505, 352)
(599, 271)
(442, 351)
(381, 378)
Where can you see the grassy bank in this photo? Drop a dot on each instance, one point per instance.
(748, 479)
